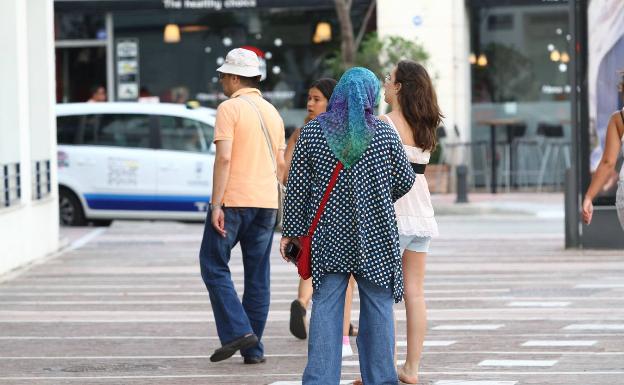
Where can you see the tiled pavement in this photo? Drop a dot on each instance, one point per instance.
(507, 305)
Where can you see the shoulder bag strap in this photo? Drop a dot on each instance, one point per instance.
(328, 190)
(267, 136)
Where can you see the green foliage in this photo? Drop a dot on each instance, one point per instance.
(379, 55)
(436, 155)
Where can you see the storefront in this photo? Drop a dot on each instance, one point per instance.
(548, 75)
(168, 50)
(520, 73)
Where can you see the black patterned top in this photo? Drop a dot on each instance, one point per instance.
(358, 231)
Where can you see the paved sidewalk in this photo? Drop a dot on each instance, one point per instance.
(542, 205)
(507, 305)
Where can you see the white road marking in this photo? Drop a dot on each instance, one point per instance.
(470, 327)
(138, 377)
(429, 343)
(462, 382)
(594, 327)
(538, 304)
(524, 363)
(80, 242)
(299, 382)
(600, 286)
(559, 343)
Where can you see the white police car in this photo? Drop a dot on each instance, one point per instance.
(133, 161)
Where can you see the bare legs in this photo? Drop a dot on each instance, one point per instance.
(416, 312)
(346, 323)
(304, 293)
(304, 296)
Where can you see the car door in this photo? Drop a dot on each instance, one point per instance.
(185, 163)
(123, 160)
(76, 163)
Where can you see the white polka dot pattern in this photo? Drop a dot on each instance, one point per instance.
(358, 231)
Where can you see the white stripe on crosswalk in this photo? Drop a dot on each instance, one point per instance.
(594, 327)
(429, 343)
(600, 286)
(524, 363)
(299, 382)
(559, 343)
(538, 304)
(463, 382)
(470, 327)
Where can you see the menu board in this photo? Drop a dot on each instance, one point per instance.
(127, 69)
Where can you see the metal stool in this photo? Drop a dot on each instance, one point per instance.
(556, 146)
(508, 163)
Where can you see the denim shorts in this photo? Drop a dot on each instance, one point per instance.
(619, 202)
(414, 243)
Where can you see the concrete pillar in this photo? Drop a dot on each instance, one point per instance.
(29, 228)
(442, 27)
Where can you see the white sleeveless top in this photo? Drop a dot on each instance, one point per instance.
(414, 210)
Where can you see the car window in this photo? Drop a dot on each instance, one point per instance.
(119, 130)
(66, 129)
(208, 132)
(183, 134)
(71, 129)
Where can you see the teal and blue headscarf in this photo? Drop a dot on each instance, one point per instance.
(349, 123)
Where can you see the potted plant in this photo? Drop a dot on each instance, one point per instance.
(437, 173)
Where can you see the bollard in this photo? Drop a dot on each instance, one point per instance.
(461, 172)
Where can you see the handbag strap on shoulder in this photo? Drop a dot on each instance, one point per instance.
(328, 190)
(267, 136)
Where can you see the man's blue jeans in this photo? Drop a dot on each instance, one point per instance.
(253, 228)
(375, 339)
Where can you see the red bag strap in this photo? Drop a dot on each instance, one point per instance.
(321, 208)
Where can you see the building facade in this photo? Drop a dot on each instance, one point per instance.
(491, 60)
(169, 50)
(28, 193)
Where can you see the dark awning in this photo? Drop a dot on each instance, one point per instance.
(204, 5)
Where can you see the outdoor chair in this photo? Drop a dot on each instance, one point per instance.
(556, 153)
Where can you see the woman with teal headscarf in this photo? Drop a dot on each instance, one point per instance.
(357, 233)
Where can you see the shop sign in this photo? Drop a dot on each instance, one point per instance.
(127, 69)
(216, 5)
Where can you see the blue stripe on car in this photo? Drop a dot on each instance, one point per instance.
(147, 202)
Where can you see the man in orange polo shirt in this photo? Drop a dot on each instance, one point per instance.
(249, 138)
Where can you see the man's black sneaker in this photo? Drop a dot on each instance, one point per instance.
(254, 360)
(226, 351)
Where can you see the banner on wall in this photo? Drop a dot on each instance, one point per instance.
(606, 61)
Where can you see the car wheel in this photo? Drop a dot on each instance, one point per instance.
(70, 209)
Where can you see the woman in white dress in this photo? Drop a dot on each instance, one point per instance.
(613, 144)
(415, 116)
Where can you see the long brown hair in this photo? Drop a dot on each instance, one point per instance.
(419, 103)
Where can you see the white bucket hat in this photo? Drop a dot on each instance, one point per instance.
(241, 62)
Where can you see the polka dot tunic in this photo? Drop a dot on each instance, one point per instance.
(358, 230)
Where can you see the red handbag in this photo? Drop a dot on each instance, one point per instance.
(304, 258)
